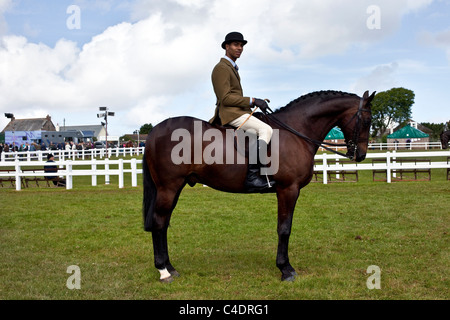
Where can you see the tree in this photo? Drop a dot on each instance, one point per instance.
(146, 128)
(437, 129)
(391, 106)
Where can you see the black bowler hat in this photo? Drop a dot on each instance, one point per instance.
(234, 36)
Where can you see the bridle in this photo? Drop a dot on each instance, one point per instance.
(352, 145)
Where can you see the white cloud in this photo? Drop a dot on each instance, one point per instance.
(141, 69)
(438, 39)
(381, 78)
(4, 5)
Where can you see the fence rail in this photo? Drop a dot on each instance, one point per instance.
(416, 145)
(330, 163)
(136, 151)
(70, 154)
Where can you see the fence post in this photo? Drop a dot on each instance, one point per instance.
(388, 167)
(325, 174)
(133, 173)
(69, 181)
(18, 178)
(338, 176)
(94, 172)
(393, 158)
(120, 173)
(106, 171)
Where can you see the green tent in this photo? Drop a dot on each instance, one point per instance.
(408, 132)
(335, 134)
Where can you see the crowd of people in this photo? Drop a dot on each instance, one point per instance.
(67, 146)
(35, 146)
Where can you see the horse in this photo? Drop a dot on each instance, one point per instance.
(301, 126)
(445, 136)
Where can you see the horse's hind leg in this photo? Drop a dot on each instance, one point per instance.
(162, 262)
(165, 203)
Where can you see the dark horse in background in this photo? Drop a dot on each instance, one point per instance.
(445, 136)
(311, 116)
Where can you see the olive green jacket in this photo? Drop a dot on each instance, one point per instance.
(231, 103)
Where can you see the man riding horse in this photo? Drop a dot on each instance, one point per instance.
(233, 109)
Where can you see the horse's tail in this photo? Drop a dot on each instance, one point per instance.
(148, 203)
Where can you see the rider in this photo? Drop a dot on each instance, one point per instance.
(234, 109)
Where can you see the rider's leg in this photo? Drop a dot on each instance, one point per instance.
(255, 182)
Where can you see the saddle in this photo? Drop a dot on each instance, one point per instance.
(244, 142)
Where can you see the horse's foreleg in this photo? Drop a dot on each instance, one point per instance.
(287, 199)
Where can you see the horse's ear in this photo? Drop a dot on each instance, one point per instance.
(371, 96)
(366, 95)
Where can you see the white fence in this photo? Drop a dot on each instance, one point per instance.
(119, 152)
(68, 170)
(389, 163)
(330, 163)
(416, 145)
(70, 154)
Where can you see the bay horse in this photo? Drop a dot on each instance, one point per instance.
(445, 136)
(300, 125)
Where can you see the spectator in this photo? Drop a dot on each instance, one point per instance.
(59, 182)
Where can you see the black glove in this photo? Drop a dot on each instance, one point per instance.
(261, 104)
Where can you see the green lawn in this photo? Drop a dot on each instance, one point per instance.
(224, 245)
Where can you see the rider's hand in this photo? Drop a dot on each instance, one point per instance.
(261, 104)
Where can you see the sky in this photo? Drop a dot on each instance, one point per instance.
(148, 60)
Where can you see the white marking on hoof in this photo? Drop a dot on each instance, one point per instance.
(164, 274)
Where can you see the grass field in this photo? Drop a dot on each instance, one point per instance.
(224, 245)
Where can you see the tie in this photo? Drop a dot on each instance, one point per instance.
(236, 67)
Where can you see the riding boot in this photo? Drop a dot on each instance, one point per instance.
(254, 181)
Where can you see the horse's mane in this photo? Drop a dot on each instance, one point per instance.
(323, 95)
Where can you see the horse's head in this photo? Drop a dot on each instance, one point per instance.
(444, 139)
(356, 127)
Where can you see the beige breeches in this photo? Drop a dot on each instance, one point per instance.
(254, 125)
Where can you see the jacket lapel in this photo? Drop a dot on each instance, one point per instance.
(228, 63)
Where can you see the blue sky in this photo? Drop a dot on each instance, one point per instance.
(152, 59)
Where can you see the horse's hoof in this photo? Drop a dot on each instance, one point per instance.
(174, 273)
(166, 280)
(288, 278)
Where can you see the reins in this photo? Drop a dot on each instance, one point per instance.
(351, 145)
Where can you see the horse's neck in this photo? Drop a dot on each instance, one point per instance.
(315, 120)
